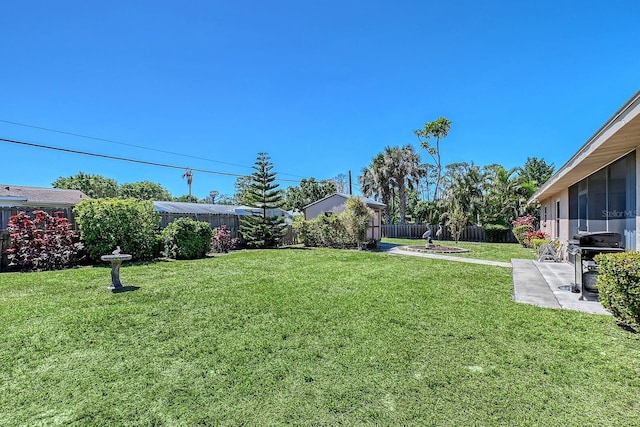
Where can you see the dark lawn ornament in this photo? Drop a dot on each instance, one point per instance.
(427, 236)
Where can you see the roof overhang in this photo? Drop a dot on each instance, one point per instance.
(617, 137)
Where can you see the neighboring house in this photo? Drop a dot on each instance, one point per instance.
(597, 189)
(336, 203)
(215, 215)
(16, 198)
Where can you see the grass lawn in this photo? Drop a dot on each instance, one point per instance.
(489, 251)
(305, 337)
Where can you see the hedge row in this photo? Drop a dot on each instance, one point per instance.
(619, 286)
(47, 242)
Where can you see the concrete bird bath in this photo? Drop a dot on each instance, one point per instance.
(116, 259)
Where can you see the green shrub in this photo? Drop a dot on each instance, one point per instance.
(536, 243)
(618, 285)
(325, 231)
(496, 233)
(128, 223)
(356, 219)
(333, 233)
(308, 231)
(185, 238)
(457, 222)
(347, 229)
(520, 233)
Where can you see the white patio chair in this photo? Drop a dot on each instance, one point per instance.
(548, 252)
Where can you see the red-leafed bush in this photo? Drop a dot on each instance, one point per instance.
(44, 242)
(221, 241)
(533, 235)
(524, 220)
(523, 229)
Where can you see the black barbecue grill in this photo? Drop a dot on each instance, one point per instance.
(584, 248)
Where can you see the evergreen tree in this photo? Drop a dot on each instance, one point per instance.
(262, 229)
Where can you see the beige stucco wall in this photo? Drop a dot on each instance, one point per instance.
(336, 204)
(551, 226)
(637, 198)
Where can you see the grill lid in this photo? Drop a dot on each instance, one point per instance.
(600, 240)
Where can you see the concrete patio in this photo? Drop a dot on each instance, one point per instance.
(545, 284)
(548, 284)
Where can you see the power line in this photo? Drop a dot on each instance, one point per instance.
(132, 145)
(124, 159)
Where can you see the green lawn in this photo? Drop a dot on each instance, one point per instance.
(490, 251)
(305, 337)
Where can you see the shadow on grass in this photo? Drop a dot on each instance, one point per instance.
(125, 289)
(385, 246)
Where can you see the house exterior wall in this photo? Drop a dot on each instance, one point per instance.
(637, 208)
(333, 204)
(602, 179)
(606, 200)
(554, 218)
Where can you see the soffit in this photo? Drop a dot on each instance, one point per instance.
(616, 138)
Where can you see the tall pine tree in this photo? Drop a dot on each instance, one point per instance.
(262, 229)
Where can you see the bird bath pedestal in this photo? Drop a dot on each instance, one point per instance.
(116, 262)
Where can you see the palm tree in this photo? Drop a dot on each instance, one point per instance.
(463, 183)
(502, 194)
(375, 182)
(403, 166)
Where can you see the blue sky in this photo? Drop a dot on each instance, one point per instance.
(322, 86)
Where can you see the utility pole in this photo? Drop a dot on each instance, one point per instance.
(189, 175)
(350, 187)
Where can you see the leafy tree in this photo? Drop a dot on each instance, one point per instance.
(531, 176)
(536, 171)
(144, 190)
(187, 198)
(262, 230)
(427, 181)
(501, 195)
(242, 187)
(437, 129)
(309, 191)
(464, 184)
(341, 182)
(212, 198)
(457, 222)
(429, 212)
(225, 199)
(94, 186)
(107, 223)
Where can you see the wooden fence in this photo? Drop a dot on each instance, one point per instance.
(471, 233)
(5, 243)
(291, 237)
